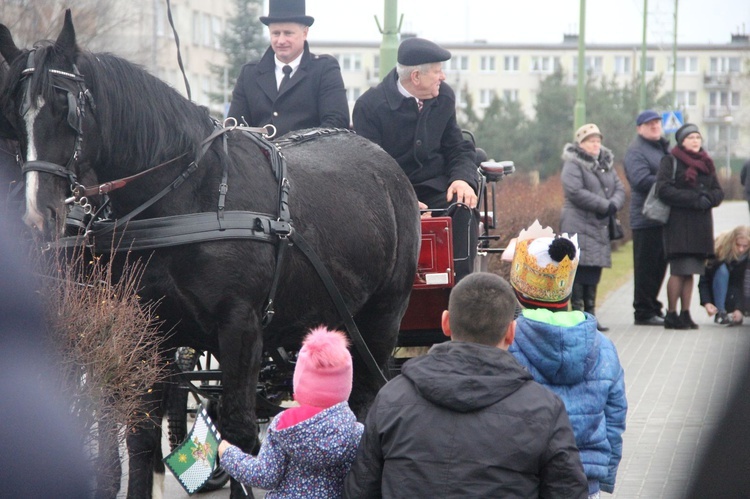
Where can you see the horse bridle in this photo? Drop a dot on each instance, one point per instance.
(78, 95)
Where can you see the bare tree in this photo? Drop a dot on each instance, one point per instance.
(95, 20)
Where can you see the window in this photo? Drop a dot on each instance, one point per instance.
(685, 64)
(721, 65)
(349, 62)
(487, 63)
(457, 63)
(724, 99)
(649, 64)
(686, 98)
(622, 65)
(485, 97)
(460, 97)
(510, 95)
(593, 65)
(376, 66)
(352, 94)
(544, 64)
(510, 63)
(216, 32)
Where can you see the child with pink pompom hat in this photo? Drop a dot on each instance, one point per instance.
(309, 448)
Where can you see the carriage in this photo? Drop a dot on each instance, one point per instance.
(224, 218)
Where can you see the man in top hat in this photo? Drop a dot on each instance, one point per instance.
(412, 115)
(290, 87)
(641, 162)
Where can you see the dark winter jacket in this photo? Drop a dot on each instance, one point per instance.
(641, 163)
(744, 174)
(307, 460)
(735, 299)
(428, 145)
(590, 185)
(580, 365)
(314, 97)
(689, 230)
(466, 420)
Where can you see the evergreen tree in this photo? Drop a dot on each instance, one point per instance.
(243, 41)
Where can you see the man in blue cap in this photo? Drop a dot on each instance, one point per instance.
(412, 115)
(649, 260)
(290, 87)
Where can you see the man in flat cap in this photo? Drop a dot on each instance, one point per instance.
(289, 87)
(412, 115)
(641, 162)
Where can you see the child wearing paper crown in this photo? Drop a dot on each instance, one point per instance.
(310, 448)
(564, 351)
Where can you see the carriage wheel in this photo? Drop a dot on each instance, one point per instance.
(183, 405)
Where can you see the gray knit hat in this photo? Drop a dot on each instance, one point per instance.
(684, 131)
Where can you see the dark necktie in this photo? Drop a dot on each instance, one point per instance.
(287, 70)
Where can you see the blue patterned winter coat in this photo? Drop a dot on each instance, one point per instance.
(307, 460)
(581, 366)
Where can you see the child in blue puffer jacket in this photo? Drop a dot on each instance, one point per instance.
(564, 351)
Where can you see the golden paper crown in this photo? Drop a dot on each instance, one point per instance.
(533, 273)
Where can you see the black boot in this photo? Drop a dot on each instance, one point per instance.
(672, 321)
(687, 320)
(576, 297)
(589, 304)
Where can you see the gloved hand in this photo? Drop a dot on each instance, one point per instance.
(704, 203)
(611, 210)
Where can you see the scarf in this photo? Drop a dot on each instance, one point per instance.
(696, 162)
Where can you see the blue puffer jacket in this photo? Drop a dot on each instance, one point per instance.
(569, 356)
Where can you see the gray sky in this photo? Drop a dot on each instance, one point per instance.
(541, 21)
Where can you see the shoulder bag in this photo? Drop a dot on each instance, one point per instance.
(615, 228)
(654, 208)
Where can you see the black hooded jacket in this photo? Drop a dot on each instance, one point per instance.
(466, 420)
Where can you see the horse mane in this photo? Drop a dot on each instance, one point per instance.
(140, 119)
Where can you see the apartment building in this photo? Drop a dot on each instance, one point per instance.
(713, 81)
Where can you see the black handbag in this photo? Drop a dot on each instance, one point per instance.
(615, 228)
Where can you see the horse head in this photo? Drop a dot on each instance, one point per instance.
(46, 100)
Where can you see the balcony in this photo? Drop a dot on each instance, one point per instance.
(717, 81)
(717, 114)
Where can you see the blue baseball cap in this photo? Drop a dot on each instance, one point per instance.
(647, 116)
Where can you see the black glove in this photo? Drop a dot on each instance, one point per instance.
(611, 210)
(704, 203)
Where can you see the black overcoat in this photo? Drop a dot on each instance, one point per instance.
(428, 145)
(689, 230)
(314, 97)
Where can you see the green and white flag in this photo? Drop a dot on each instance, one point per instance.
(194, 460)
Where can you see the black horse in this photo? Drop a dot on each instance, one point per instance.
(78, 113)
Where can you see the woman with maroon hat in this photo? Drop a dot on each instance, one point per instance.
(687, 182)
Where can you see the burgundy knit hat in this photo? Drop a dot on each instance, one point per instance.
(323, 374)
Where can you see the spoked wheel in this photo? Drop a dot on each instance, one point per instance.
(183, 404)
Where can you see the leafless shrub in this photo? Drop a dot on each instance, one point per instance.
(107, 344)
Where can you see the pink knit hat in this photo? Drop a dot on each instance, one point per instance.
(323, 374)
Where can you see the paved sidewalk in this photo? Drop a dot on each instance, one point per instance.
(678, 384)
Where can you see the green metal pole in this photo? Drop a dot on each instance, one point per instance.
(643, 56)
(389, 46)
(579, 112)
(674, 57)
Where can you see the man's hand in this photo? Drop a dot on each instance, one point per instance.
(463, 194)
(422, 207)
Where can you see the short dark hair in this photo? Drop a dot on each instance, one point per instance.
(480, 307)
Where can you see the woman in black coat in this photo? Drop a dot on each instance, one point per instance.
(687, 182)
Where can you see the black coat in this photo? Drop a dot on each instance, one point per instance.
(735, 289)
(689, 230)
(466, 420)
(314, 97)
(428, 145)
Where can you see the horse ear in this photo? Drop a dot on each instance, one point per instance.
(7, 46)
(66, 41)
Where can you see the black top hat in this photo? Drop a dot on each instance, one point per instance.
(287, 11)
